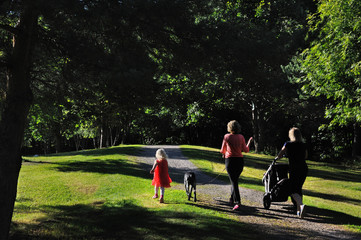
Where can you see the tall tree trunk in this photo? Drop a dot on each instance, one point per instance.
(101, 137)
(356, 139)
(16, 107)
(58, 140)
(257, 126)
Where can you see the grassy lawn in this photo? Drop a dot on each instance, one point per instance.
(333, 192)
(106, 194)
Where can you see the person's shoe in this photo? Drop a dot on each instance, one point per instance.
(236, 207)
(155, 196)
(302, 211)
(161, 200)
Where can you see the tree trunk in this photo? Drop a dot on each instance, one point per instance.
(356, 143)
(257, 129)
(58, 141)
(101, 137)
(16, 107)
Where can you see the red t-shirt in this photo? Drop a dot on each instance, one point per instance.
(233, 145)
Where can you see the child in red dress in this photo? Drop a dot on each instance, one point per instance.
(161, 177)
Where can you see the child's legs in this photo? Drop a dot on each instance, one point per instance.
(162, 191)
(156, 189)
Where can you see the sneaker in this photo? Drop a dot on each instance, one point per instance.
(235, 207)
(161, 200)
(302, 211)
(155, 196)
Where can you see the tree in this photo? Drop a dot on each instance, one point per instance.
(96, 40)
(331, 67)
(255, 39)
(15, 107)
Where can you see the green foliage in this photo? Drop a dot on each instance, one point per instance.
(332, 64)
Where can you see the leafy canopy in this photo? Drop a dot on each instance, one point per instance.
(332, 65)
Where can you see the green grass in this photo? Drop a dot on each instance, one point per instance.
(106, 194)
(332, 192)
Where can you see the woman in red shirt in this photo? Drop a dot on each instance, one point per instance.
(232, 147)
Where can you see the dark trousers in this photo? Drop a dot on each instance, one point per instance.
(234, 167)
(297, 179)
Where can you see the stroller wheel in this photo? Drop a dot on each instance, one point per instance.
(267, 201)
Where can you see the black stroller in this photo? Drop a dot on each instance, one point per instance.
(276, 183)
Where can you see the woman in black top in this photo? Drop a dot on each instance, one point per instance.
(296, 151)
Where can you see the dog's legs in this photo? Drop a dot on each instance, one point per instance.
(186, 185)
(195, 193)
(190, 192)
(190, 188)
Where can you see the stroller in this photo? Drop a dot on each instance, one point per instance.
(276, 183)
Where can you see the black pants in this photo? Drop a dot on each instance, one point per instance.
(297, 179)
(234, 167)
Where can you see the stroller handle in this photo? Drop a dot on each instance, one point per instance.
(269, 169)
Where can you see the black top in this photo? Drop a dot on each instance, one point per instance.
(296, 153)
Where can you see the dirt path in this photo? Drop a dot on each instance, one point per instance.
(279, 222)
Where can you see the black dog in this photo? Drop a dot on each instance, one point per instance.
(190, 184)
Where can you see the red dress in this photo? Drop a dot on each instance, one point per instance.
(161, 177)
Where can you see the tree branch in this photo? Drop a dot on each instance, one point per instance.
(3, 64)
(9, 29)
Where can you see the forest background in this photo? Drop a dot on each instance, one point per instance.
(78, 74)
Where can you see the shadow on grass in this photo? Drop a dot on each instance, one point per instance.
(124, 220)
(320, 215)
(335, 174)
(333, 197)
(128, 150)
(123, 149)
(109, 166)
(105, 166)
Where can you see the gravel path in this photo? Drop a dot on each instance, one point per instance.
(279, 222)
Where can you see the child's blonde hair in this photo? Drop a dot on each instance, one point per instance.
(161, 154)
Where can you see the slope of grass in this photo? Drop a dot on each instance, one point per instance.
(106, 194)
(331, 191)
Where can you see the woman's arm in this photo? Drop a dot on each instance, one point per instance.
(224, 147)
(249, 141)
(281, 153)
